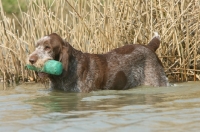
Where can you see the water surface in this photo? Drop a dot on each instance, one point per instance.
(33, 108)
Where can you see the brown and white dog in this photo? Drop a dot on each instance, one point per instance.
(122, 68)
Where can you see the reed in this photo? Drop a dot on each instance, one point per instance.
(97, 26)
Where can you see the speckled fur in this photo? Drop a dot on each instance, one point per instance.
(122, 68)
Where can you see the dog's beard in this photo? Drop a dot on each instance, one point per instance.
(43, 75)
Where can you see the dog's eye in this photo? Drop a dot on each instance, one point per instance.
(47, 48)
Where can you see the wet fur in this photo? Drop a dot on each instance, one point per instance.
(122, 68)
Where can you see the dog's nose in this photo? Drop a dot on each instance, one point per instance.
(33, 59)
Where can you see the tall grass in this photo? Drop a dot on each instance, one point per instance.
(97, 26)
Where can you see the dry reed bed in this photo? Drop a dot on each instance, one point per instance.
(97, 26)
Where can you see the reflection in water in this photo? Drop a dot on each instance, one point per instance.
(31, 107)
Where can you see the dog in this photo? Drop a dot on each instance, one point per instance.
(121, 68)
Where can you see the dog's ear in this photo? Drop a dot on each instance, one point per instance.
(65, 56)
(61, 50)
(56, 43)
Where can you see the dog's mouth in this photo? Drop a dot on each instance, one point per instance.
(40, 62)
(43, 75)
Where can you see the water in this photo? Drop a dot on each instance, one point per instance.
(32, 108)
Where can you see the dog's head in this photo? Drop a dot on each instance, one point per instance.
(51, 47)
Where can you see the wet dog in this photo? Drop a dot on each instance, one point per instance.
(122, 68)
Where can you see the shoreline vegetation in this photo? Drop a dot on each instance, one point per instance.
(97, 26)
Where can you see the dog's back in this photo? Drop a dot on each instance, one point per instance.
(125, 67)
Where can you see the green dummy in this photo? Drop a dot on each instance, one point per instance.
(51, 67)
